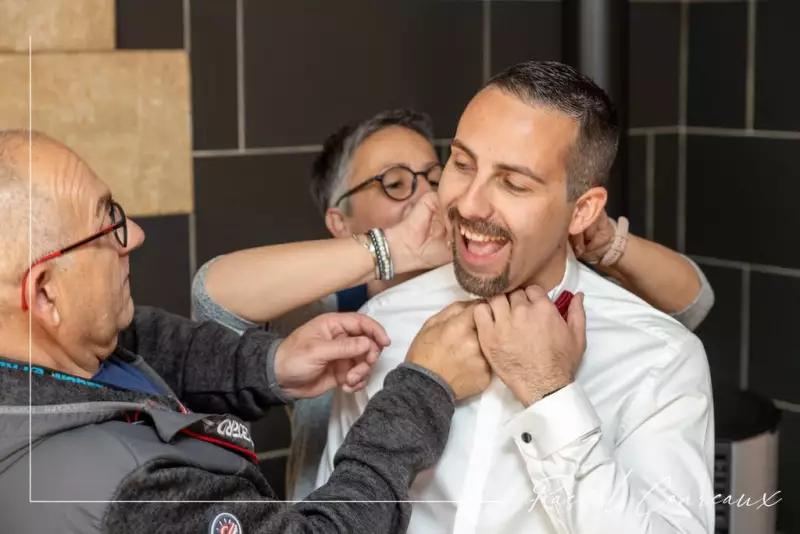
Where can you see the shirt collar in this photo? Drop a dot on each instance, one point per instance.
(569, 282)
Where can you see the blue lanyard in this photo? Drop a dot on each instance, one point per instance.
(44, 371)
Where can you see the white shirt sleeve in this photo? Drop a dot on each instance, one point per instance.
(653, 475)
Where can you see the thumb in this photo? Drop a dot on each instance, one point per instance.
(576, 319)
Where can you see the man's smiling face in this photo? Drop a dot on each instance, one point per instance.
(504, 190)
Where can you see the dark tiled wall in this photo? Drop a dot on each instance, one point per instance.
(721, 171)
(713, 134)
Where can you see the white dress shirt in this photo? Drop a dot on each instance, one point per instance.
(626, 448)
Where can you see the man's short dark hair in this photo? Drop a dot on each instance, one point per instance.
(332, 166)
(563, 88)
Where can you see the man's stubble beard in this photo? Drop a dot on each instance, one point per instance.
(481, 286)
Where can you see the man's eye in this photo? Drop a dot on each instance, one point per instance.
(393, 185)
(461, 166)
(513, 187)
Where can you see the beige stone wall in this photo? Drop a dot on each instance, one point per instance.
(76, 25)
(127, 113)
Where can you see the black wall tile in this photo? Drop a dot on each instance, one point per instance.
(312, 65)
(150, 24)
(666, 191)
(160, 267)
(717, 64)
(721, 330)
(637, 184)
(273, 432)
(654, 51)
(275, 472)
(774, 349)
(741, 199)
(444, 154)
(248, 201)
(213, 61)
(776, 107)
(789, 474)
(538, 22)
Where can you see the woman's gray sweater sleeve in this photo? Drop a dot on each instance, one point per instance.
(205, 309)
(696, 312)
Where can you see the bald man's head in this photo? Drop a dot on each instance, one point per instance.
(77, 302)
(26, 200)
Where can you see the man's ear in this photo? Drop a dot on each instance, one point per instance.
(336, 221)
(44, 295)
(587, 209)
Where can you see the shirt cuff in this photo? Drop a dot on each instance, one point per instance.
(433, 376)
(272, 378)
(553, 422)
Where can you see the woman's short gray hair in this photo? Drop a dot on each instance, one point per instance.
(332, 166)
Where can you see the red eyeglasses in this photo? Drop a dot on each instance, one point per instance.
(118, 226)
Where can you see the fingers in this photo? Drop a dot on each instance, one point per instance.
(577, 320)
(501, 309)
(518, 298)
(423, 210)
(535, 294)
(353, 389)
(578, 242)
(431, 200)
(359, 373)
(482, 315)
(358, 324)
(340, 368)
(345, 348)
(591, 231)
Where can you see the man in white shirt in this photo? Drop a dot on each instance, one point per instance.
(620, 442)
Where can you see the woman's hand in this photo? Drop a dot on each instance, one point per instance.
(419, 241)
(593, 243)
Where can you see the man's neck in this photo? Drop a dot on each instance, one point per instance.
(20, 347)
(551, 275)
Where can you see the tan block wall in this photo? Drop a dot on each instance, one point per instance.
(57, 25)
(127, 113)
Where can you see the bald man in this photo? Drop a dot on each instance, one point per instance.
(103, 402)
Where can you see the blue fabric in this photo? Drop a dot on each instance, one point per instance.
(350, 300)
(116, 372)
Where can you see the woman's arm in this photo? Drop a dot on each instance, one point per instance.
(664, 278)
(263, 283)
(667, 280)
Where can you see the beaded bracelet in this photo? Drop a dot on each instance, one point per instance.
(384, 268)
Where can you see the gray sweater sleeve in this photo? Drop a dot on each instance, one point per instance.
(696, 312)
(402, 432)
(204, 308)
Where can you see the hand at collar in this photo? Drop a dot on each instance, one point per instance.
(334, 349)
(528, 344)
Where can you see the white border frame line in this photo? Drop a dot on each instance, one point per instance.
(30, 262)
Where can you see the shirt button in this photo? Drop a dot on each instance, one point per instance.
(526, 437)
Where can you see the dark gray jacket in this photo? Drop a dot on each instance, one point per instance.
(84, 449)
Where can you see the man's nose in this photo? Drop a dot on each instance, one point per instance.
(135, 236)
(474, 202)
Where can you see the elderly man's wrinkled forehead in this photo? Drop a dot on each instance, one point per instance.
(56, 170)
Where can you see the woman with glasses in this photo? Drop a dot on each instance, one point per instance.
(381, 174)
